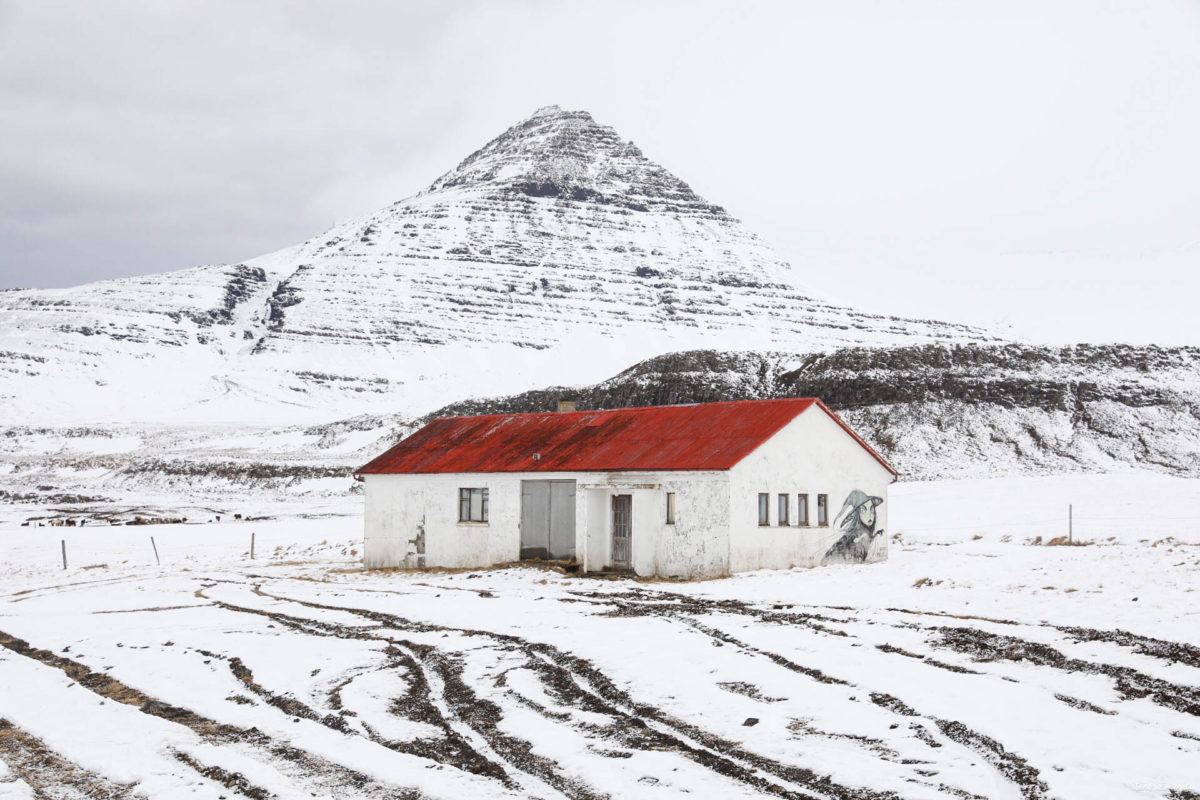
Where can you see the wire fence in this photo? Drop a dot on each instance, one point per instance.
(182, 545)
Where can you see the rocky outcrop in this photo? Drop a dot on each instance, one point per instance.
(948, 411)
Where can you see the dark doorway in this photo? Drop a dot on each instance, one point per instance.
(547, 519)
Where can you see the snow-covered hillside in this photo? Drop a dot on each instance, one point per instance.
(557, 253)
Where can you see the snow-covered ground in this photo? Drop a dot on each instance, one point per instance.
(974, 663)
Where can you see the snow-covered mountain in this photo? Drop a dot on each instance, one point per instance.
(557, 253)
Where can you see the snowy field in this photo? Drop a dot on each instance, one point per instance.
(976, 663)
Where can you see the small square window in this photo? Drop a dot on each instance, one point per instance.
(764, 509)
(472, 505)
(802, 510)
(670, 508)
(822, 510)
(783, 509)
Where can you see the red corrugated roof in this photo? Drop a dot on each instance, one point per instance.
(707, 436)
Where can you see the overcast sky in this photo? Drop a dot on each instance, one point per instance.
(1033, 167)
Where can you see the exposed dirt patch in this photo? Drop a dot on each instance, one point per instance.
(801, 728)
(1082, 705)
(749, 690)
(893, 704)
(235, 781)
(783, 661)
(284, 702)
(1172, 652)
(1010, 765)
(155, 608)
(1130, 683)
(933, 662)
(639, 602)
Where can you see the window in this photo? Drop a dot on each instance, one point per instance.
(764, 504)
(822, 509)
(472, 505)
(783, 509)
(670, 508)
(802, 509)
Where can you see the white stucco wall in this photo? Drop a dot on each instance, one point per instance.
(695, 546)
(402, 508)
(812, 454)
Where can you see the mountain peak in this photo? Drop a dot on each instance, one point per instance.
(554, 110)
(567, 155)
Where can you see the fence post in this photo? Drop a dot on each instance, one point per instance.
(64, 549)
(152, 544)
(1070, 524)
(251, 545)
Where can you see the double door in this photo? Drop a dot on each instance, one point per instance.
(548, 519)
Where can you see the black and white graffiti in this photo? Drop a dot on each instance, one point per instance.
(857, 523)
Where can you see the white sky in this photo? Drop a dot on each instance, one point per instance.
(1031, 166)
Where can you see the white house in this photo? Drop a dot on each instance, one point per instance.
(688, 491)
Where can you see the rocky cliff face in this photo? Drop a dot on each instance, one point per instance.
(557, 252)
(949, 411)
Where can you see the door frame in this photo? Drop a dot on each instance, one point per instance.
(627, 500)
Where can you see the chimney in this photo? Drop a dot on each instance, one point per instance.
(566, 405)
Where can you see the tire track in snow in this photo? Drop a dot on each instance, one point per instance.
(28, 594)
(1130, 683)
(1014, 768)
(456, 750)
(1164, 650)
(234, 781)
(704, 748)
(51, 775)
(316, 770)
(473, 740)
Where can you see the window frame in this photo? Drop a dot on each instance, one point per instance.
(782, 510)
(670, 508)
(467, 508)
(764, 509)
(822, 511)
(802, 518)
